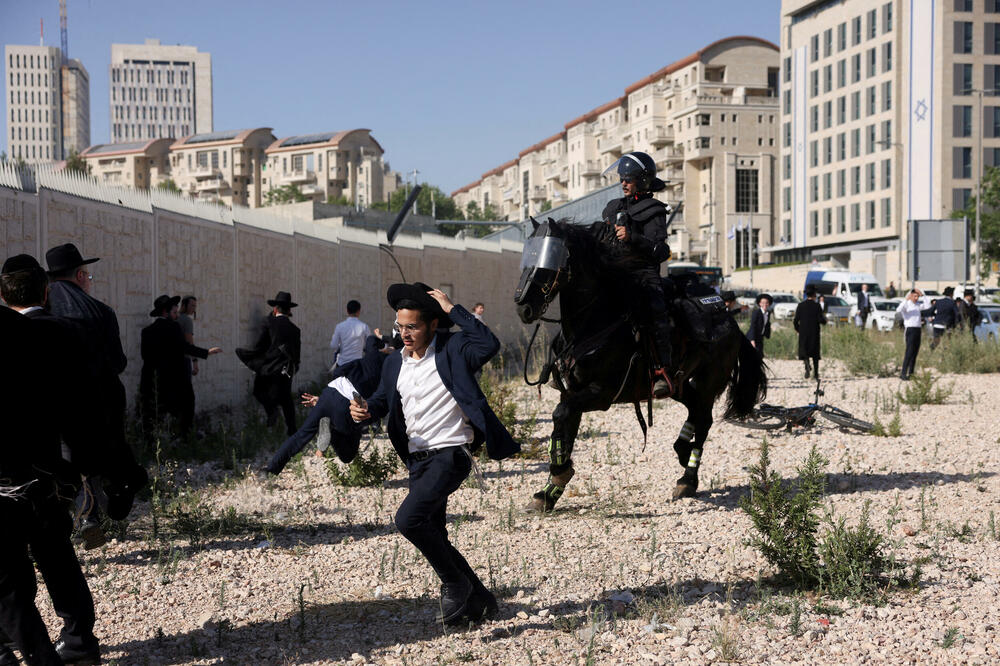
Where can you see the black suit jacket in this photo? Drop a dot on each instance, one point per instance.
(808, 318)
(457, 357)
(99, 322)
(365, 372)
(163, 348)
(279, 344)
(758, 331)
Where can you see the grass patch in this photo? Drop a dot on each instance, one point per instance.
(365, 470)
(922, 389)
(196, 521)
(893, 428)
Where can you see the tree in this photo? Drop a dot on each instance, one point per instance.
(338, 201)
(430, 201)
(546, 206)
(284, 194)
(989, 229)
(76, 163)
(169, 185)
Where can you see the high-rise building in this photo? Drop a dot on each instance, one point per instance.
(75, 107)
(159, 91)
(34, 103)
(883, 104)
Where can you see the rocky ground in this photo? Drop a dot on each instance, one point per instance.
(306, 572)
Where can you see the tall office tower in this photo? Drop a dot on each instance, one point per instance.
(883, 105)
(159, 91)
(75, 107)
(34, 103)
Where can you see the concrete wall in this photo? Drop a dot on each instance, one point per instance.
(233, 261)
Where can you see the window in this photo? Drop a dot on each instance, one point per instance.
(870, 99)
(855, 217)
(963, 79)
(786, 69)
(813, 153)
(856, 180)
(841, 37)
(814, 118)
(870, 177)
(872, 61)
(813, 188)
(963, 5)
(855, 142)
(827, 114)
(841, 183)
(787, 167)
(786, 100)
(827, 42)
(960, 197)
(991, 38)
(827, 150)
(828, 78)
(786, 199)
(887, 57)
(887, 17)
(872, 24)
(787, 135)
(991, 76)
(992, 6)
(870, 217)
(991, 125)
(841, 220)
(887, 96)
(814, 222)
(814, 48)
(746, 191)
(814, 83)
(827, 186)
(962, 120)
(886, 134)
(962, 157)
(886, 174)
(842, 73)
(855, 31)
(870, 139)
(963, 37)
(856, 105)
(855, 68)
(827, 221)
(841, 110)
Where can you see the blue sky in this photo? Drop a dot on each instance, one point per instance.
(450, 88)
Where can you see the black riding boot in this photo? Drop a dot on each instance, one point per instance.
(663, 387)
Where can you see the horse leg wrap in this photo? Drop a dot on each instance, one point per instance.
(687, 431)
(694, 459)
(545, 500)
(558, 456)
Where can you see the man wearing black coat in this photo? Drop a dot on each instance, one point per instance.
(760, 323)
(275, 360)
(165, 384)
(945, 316)
(37, 479)
(437, 416)
(69, 297)
(808, 318)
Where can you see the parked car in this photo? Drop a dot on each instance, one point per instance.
(883, 315)
(838, 311)
(989, 326)
(747, 297)
(784, 305)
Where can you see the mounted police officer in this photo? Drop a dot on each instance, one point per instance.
(638, 242)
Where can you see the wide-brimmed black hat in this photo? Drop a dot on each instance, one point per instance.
(64, 257)
(163, 302)
(968, 292)
(948, 291)
(283, 299)
(763, 296)
(810, 290)
(19, 262)
(728, 295)
(417, 292)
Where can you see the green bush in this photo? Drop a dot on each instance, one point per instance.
(365, 470)
(500, 396)
(922, 390)
(959, 353)
(863, 352)
(844, 562)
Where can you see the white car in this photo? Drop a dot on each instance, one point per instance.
(784, 305)
(883, 314)
(989, 325)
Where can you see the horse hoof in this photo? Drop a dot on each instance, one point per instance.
(539, 505)
(682, 490)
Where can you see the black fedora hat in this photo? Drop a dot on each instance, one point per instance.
(968, 292)
(763, 296)
(163, 302)
(66, 256)
(417, 292)
(283, 299)
(20, 262)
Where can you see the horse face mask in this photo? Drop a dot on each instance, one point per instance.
(545, 258)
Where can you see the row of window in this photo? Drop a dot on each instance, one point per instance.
(170, 114)
(857, 34)
(992, 6)
(877, 176)
(835, 112)
(32, 136)
(31, 152)
(868, 66)
(16, 116)
(121, 131)
(871, 214)
(962, 83)
(42, 80)
(962, 121)
(130, 75)
(162, 95)
(30, 61)
(43, 97)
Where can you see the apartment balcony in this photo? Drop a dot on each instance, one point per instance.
(661, 135)
(590, 168)
(208, 197)
(738, 100)
(242, 167)
(298, 177)
(539, 193)
(310, 189)
(627, 143)
(204, 171)
(673, 174)
(612, 143)
(211, 185)
(668, 155)
(508, 195)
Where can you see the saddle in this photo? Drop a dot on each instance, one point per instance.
(696, 309)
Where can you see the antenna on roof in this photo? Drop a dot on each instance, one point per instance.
(63, 32)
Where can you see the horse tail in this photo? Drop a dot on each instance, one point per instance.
(748, 384)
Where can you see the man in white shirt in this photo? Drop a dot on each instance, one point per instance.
(436, 414)
(348, 341)
(911, 313)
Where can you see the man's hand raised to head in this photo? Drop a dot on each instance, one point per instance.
(442, 299)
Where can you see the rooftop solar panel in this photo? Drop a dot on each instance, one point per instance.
(214, 136)
(322, 137)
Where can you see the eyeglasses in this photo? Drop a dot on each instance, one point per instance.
(628, 180)
(399, 328)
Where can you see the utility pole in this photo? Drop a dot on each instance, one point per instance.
(415, 173)
(979, 180)
(752, 248)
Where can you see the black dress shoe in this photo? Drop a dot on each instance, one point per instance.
(78, 656)
(7, 657)
(90, 535)
(482, 605)
(454, 602)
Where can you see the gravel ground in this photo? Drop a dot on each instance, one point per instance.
(618, 574)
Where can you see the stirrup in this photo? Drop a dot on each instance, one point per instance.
(661, 374)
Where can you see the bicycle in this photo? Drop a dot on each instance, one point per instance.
(773, 417)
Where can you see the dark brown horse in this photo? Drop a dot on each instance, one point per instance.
(600, 363)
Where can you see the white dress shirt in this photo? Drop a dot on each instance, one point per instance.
(433, 418)
(348, 341)
(910, 312)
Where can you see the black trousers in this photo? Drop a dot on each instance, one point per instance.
(345, 436)
(275, 393)
(912, 336)
(651, 287)
(44, 526)
(421, 516)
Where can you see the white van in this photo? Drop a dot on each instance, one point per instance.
(844, 284)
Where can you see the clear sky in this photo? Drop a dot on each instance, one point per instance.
(450, 88)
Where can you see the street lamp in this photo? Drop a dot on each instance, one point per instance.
(899, 243)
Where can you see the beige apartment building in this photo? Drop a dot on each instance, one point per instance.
(159, 91)
(48, 104)
(709, 120)
(141, 164)
(222, 167)
(883, 103)
(328, 166)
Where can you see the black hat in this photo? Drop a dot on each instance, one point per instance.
(283, 299)
(948, 291)
(810, 290)
(728, 295)
(64, 257)
(968, 292)
(763, 296)
(19, 262)
(417, 292)
(162, 303)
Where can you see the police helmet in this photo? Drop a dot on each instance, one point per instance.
(639, 168)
